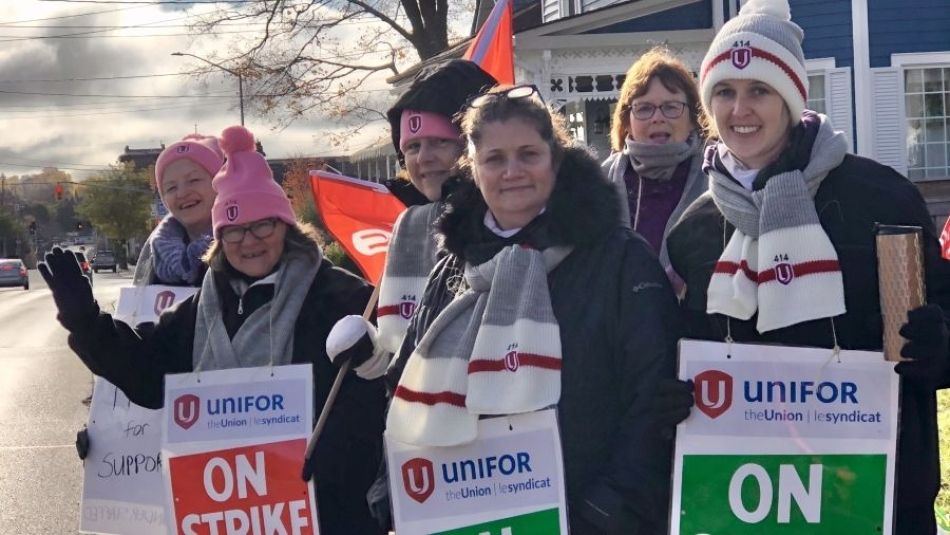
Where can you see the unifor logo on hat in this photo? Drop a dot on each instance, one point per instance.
(415, 122)
(181, 149)
(232, 211)
(741, 54)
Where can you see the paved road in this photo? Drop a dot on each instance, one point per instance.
(42, 388)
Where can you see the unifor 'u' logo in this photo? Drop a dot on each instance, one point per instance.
(784, 273)
(186, 409)
(415, 123)
(163, 300)
(418, 478)
(713, 392)
(741, 56)
(232, 212)
(406, 308)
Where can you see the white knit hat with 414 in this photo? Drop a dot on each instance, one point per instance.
(761, 43)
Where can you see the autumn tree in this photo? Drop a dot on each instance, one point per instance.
(331, 57)
(118, 203)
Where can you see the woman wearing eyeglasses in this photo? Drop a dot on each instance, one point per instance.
(536, 260)
(268, 296)
(657, 160)
(782, 248)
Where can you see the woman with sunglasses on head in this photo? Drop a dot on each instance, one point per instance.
(786, 195)
(534, 255)
(268, 297)
(657, 142)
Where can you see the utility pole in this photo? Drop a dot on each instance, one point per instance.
(3, 190)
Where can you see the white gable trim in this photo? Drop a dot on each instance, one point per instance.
(820, 64)
(920, 59)
(604, 17)
(862, 78)
(556, 42)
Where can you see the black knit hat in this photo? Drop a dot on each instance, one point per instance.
(442, 89)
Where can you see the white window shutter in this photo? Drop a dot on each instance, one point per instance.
(838, 102)
(550, 10)
(887, 118)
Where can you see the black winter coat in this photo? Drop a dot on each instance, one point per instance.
(617, 317)
(348, 453)
(852, 198)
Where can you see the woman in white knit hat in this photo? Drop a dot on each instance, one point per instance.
(781, 249)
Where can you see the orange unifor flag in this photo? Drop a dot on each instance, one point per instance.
(492, 48)
(360, 215)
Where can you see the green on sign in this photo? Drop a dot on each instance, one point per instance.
(782, 494)
(539, 523)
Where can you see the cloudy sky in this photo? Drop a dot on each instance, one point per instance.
(81, 80)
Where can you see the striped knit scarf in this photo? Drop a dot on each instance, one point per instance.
(411, 256)
(495, 349)
(779, 261)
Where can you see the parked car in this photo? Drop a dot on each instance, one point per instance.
(104, 260)
(84, 264)
(13, 273)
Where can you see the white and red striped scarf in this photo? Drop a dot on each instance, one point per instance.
(779, 262)
(494, 350)
(411, 256)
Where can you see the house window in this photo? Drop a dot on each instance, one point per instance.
(927, 107)
(816, 93)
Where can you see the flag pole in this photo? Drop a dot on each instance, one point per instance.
(307, 472)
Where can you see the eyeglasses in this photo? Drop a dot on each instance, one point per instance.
(259, 229)
(671, 110)
(514, 93)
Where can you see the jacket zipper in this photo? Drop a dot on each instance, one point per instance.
(241, 306)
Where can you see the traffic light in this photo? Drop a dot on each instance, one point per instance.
(58, 192)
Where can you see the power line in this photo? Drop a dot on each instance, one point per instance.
(156, 2)
(114, 112)
(76, 15)
(127, 77)
(209, 95)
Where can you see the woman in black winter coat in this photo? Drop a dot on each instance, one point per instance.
(600, 308)
(781, 181)
(268, 297)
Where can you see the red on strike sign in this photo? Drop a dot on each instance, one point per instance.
(253, 490)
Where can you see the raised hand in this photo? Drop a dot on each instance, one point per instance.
(71, 290)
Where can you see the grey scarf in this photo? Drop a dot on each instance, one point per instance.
(696, 182)
(788, 198)
(267, 335)
(495, 349)
(659, 161)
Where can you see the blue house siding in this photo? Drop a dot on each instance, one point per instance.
(827, 26)
(901, 26)
(691, 17)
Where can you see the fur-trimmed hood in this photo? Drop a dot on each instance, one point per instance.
(582, 210)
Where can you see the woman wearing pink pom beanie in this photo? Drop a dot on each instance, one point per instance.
(269, 296)
(172, 253)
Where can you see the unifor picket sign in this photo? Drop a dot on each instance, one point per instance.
(785, 441)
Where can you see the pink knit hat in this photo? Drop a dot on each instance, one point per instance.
(203, 150)
(245, 184)
(414, 124)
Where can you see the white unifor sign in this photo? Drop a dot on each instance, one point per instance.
(122, 480)
(511, 478)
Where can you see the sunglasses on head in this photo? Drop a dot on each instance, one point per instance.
(513, 93)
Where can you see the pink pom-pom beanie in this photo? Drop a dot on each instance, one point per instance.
(203, 150)
(245, 184)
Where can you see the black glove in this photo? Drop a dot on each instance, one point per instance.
(671, 404)
(82, 443)
(927, 346)
(71, 290)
